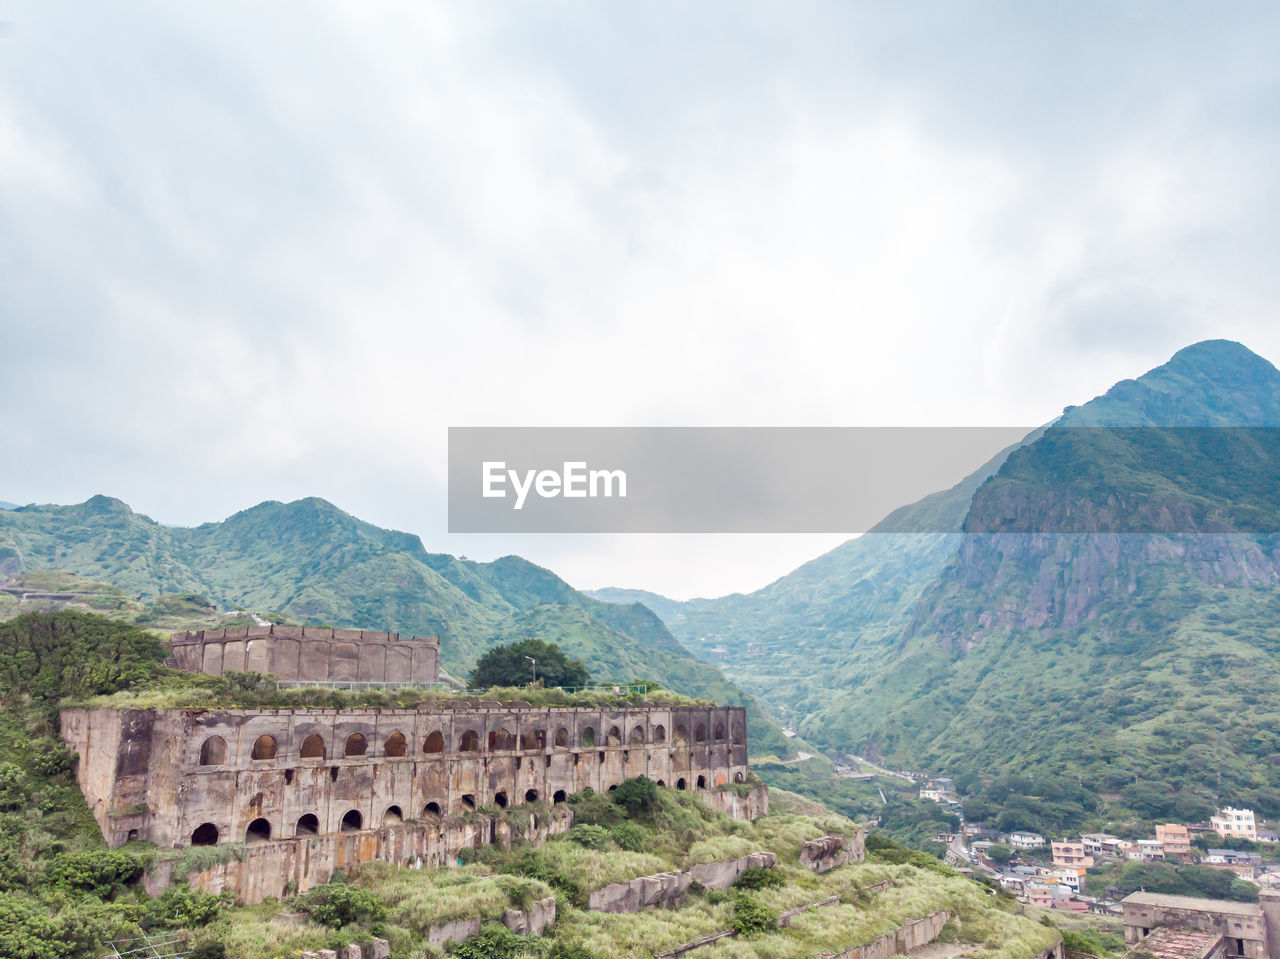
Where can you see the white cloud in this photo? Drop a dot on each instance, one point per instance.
(278, 251)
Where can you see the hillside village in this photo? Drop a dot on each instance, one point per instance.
(1056, 873)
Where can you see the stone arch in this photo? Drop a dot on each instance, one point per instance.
(533, 739)
(431, 809)
(469, 800)
(353, 821)
(531, 795)
(682, 734)
(312, 747)
(500, 799)
(392, 816)
(356, 745)
(720, 779)
(739, 735)
(738, 777)
(637, 736)
(396, 745)
(264, 747)
(434, 742)
(259, 831)
(613, 788)
(700, 733)
(562, 738)
(615, 737)
(501, 738)
(308, 825)
(470, 742)
(659, 733)
(720, 737)
(702, 782)
(681, 784)
(559, 796)
(662, 782)
(588, 737)
(213, 751)
(206, 834)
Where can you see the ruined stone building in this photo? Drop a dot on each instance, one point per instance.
(313, 790)
(1246, 929)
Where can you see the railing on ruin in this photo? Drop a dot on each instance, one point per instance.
(167, 945)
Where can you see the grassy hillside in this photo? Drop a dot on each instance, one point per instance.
(309, 562)
(62, 894)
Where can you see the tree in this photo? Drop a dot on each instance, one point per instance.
(510, 666)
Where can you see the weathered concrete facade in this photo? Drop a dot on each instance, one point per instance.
(300, 653)
(181, 777)
(1242, 924)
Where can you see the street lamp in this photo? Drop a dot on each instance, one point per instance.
(534, 663)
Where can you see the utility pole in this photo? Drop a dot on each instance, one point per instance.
(534, 663)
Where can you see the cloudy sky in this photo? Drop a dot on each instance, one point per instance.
(265, 251)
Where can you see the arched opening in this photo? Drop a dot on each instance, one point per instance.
(682, 734)
(662, 782)
(213, 751)
(500, 799)
(739, 778)
(392, 816)
(357, 745)
(264, 747)
(308, 825)
(720, 779)
(533, 739)
(702, 782)
(353, 821)
(659, 733)
(588, 737)
(613, 788)
(133, 834)
(395, 746)
(470, 742)
(206, 834)
(559, 796)
(700, 734)
(739, 735)
(501, 738)
(615, 737)
(431, 809)
(562, 738)
(312, 747)
(434, 743)
(531, 795)
(719, 732)
(637, 735)
(681, 784)
(259, 831)
(469, 801)
(333, 774)
(288, 777)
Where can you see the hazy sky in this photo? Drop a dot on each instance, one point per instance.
(265, 251)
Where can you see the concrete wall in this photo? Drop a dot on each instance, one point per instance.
(149, 762)
(285, 867)
(310, 653)
(910, 935)
(827, 852)
(667, 889)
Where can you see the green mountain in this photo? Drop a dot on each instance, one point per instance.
(309, 562)
(6, 505)
(1100, 636)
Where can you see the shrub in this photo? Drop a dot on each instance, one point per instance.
(492, 942)
(630, 836)
(99, 873)
(589, 836)
(562, 951)
(751, 917)
(339, 904)
(758, 878)
(181, 907)
(638, 796)
(595, 809)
